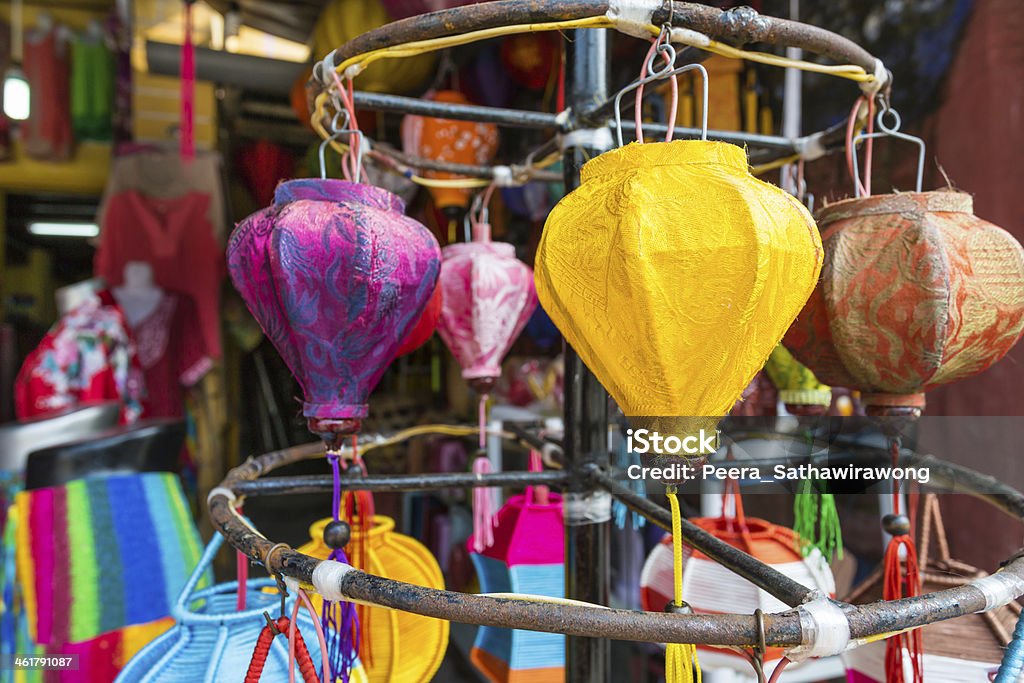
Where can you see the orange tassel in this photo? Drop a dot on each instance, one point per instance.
(897, 586)
(359, 511)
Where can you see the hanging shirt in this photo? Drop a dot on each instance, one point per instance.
(92, 88)
(165, 175)
(176, 239)
(86, 357)
(172, 354)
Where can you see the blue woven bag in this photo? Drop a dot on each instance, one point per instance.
(213, 642)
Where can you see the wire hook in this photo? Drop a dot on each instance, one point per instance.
(891, 130)
(668, 71)
(339, 128)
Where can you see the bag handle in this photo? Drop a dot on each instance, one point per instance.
(183, 614)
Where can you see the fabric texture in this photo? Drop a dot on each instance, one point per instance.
(674, 273)
(337, 276)
(916, 291)
(488, 296)
(58, 600)
(87, 356)
(172, 353)
(176, 239)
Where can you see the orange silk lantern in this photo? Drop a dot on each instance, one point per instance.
(915, 292)
(460, 142)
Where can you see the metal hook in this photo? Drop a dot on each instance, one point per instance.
(338, 133)
(760, 648)
(890, 131)
(662, 75)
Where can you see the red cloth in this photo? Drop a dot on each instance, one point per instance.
(47, 133)
(175, 237)
(172, 353)
(86, 357)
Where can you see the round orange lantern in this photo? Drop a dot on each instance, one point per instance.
(916, 291)
(460, 142)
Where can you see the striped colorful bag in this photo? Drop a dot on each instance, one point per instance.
(92, 568)
(527, 557)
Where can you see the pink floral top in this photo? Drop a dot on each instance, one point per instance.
(86, 357)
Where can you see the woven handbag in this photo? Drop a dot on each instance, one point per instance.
(213, 641)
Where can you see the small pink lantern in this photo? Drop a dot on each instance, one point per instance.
(337, 275)
(487, 298)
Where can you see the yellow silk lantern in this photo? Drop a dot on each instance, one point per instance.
(342, 20)
(403, 647)
(674, 273)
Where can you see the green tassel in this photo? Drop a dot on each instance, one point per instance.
(817, 521)
(830, 538)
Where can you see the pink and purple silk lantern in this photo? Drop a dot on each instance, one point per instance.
(487, 297)
(337, 275)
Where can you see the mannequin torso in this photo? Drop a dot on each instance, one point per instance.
(139, 296)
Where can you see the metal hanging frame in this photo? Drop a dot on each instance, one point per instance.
(587, 477)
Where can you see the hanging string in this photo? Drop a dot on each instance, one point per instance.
(483, 498)
(350, 161)
(339, 620)
(188, 88)
(674, 83)
(325, 663)
(242, 574)
(862, 188)
(897, 584)
(295, 642)
(777, 673)
(681, 665)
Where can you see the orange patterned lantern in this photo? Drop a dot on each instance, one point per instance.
(915, 292)
(460, 142)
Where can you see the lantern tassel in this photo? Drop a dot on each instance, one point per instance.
(339, 620)
(817, 522)
(359, 511)
(483, 498)
(681, 665)
(893, 589)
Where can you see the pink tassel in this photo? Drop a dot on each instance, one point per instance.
(483, 509)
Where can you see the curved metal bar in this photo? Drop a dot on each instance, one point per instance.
(739, 26)
(782, 630)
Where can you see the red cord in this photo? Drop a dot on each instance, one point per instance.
(896, 585)
(259, 655)
(188, 88)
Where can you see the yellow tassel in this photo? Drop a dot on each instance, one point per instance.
(681, 665)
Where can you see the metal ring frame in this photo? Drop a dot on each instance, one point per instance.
(586, 465)
(780, 630)
(739, 26)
